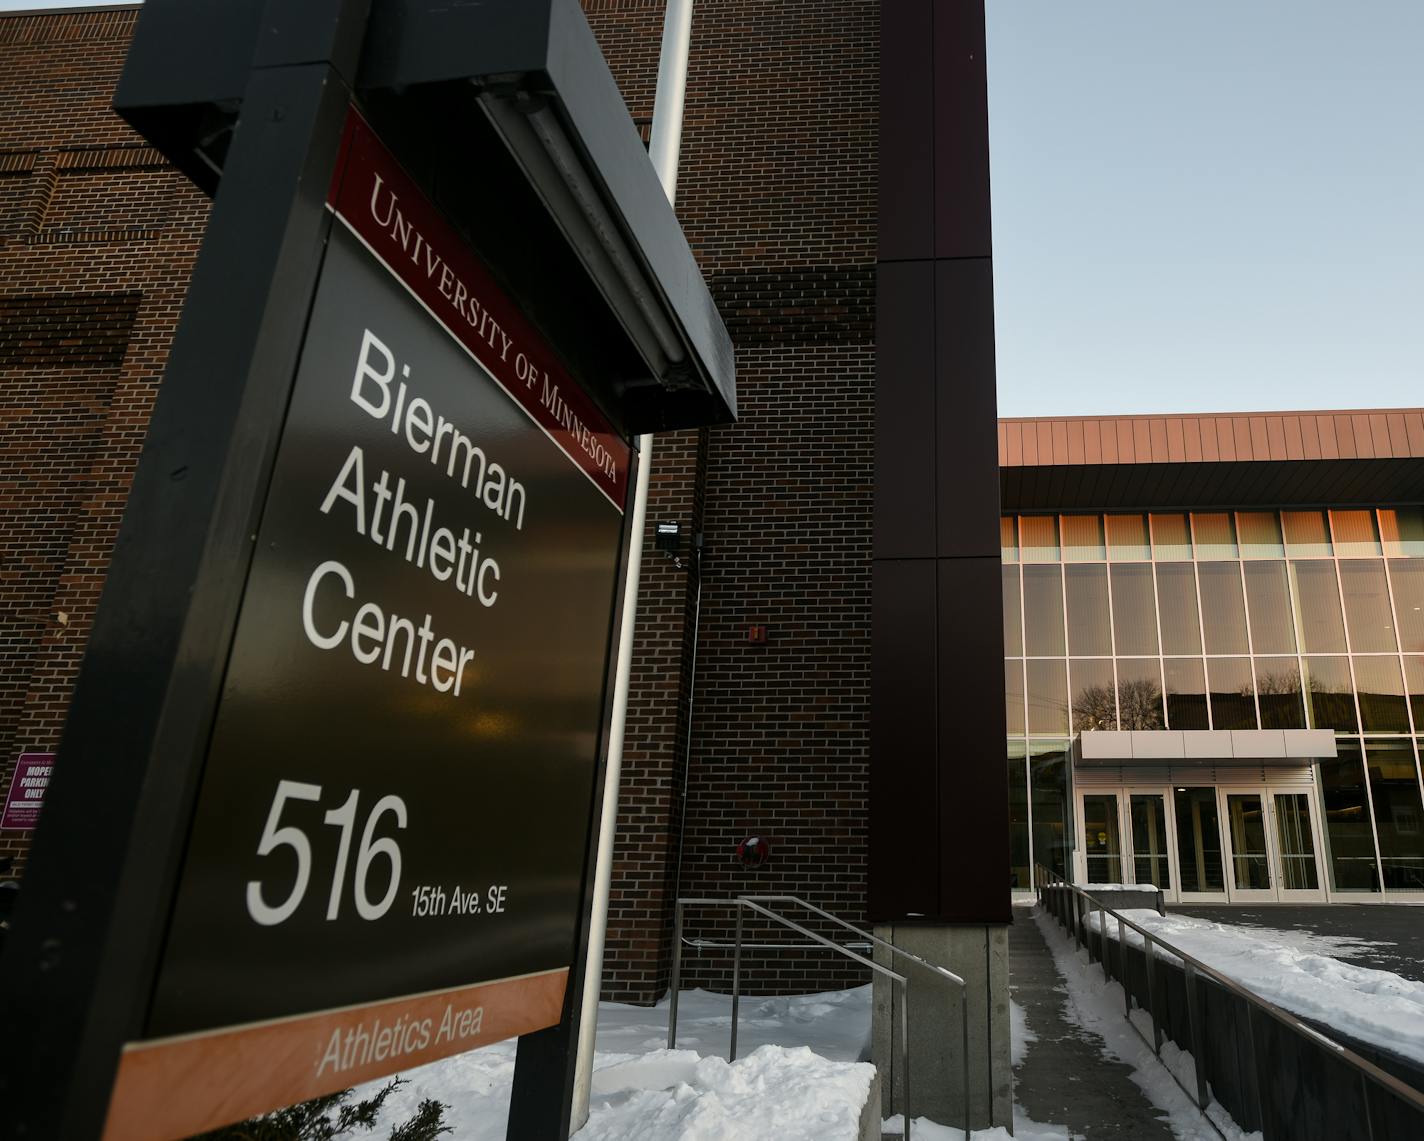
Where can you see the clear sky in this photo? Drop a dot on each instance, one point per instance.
(1205, 205)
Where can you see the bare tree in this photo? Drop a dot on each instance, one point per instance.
(1138, 706)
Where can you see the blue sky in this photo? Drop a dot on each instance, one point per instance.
(1207, 204)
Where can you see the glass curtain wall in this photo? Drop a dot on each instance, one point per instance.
(1224, 620)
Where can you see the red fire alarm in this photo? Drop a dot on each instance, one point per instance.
(753, 852)
(756, 635)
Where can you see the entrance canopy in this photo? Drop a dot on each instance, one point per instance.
(1210, 747)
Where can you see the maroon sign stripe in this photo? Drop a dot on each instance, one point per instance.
(392, 216)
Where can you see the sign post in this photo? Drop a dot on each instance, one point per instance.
(325, 799)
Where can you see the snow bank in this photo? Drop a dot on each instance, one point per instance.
(1369, 1005)
(642, 1089)
(776, 1091)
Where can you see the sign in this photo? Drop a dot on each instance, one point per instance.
(386, 859)
(27, 789)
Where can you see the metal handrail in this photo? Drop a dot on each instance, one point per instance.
(943, 972)
(1194, 967)
(754, 904)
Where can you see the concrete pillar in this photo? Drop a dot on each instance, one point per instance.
(979, 953)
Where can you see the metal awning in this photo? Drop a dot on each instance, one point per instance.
(1204, 746)
(504, 109)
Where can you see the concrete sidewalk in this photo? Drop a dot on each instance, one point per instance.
(1064, 1077)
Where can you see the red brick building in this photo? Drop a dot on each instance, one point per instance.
(97, 239)
(750, 706)
(759, 738)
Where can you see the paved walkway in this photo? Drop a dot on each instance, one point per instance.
(1397, 930)
(1064, 1078)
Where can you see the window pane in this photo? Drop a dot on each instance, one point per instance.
(1127, 537)
(1307, 533)
(1019, 866)
(1223, 611)
(1408, 578)
(1317, 607)
(1403, 531)
(1186, 694)
(1233, 704)
(1278, 692)
(1047, 697)
(1038, 538)
(1381, 693)
(1354, 533)
(1348, 843)
(1013, 618)
(1094, 702)
(1329, 699)
(1139, 693)
(1215, 535)
(1367, 609)
(1014, 696)
(1048, 792)
(1177, 608)
(1089, 629)
(1399, 814)
(1171, 537)
(1008, 539)
(1043, 611)
(1134, 609)
(1414, 686)
(1260, 533)
(1083, 538)
(1268, 601)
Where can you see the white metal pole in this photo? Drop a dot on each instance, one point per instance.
(663, 149)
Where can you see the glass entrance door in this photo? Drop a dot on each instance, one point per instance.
(1147, 812)
(1206, 844)
(1102, 838)
(1200, 874)
(1247, 826)
(1297, 858)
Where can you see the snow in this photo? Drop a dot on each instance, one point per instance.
(1024, 1130)
(835, 1025)
(1359, 1002)
(1020, 1036)
(775, 1091)
(799, 1074)
(1096, 1005)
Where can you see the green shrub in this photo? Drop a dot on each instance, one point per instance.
(334, 1117)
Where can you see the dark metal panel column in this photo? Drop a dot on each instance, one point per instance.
(904, 820)
(937, 717)
(905, 410)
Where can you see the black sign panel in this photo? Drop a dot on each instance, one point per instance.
(397, 793)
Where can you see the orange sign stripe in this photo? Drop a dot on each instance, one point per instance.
(171, 1088)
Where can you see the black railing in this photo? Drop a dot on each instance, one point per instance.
(1269, 1069)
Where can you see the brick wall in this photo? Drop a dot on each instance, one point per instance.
(776, 193)
(97, 238)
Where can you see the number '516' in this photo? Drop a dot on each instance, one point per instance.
(344, 818)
